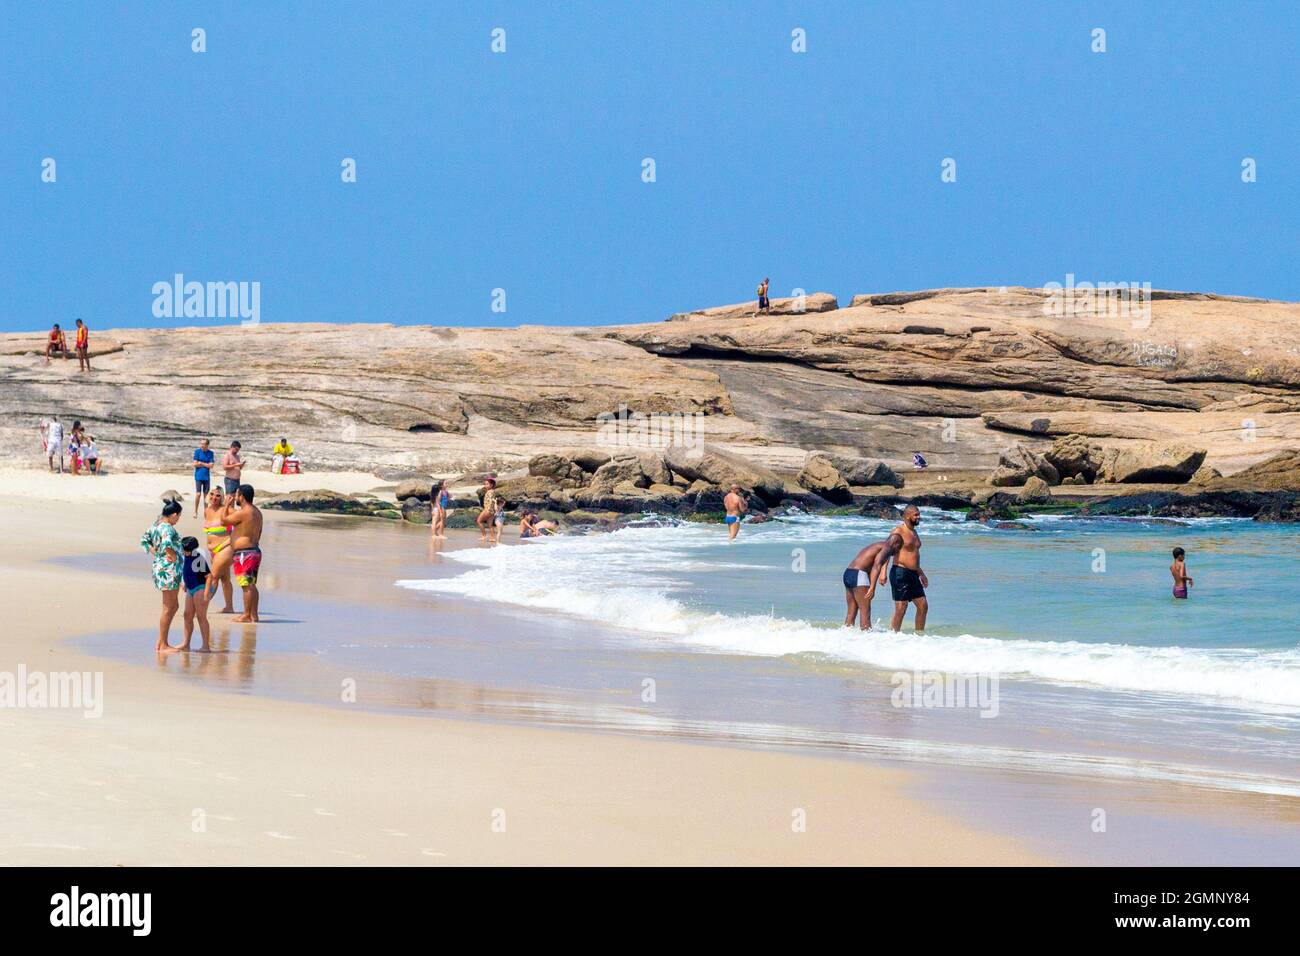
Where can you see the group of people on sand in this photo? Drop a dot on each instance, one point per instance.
(56, 344)
(83, 453)
(491, 517)
(232, 530)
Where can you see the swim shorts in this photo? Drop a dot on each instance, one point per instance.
(246, 565)
(731, 519)
(203, 485)
(232, 485)
(1180, 592)
(853, 578)
(905, 583)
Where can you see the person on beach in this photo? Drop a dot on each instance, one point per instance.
(736, 506)
(763, 307)
(90, 455)
(221, 554)
(56, 344)
(919, 462)
(194, 575)
(202, 461)
(245, 522)
(54, 443)
(489, 512)
(906, 579)
(1179, 570)
(498, 520)
(861, 575)
(440, 499)
(234, 468)
(279, 453)
(82, 344)
(163, 542)
(531, 526)
(74, 450)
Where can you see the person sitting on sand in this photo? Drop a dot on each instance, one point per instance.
(1179, 570)
(56, 344)
(164, 543)
(440, 500)
(861, 575)
(736, 506)
(194, 575)
(906, 579)
(531, 526)
(90, 455)
(489, 512)
(919, 462)
(221, 554)
(245, 521)
(279, 453)
(82, 343)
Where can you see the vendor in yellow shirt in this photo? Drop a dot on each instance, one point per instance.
(279, 453)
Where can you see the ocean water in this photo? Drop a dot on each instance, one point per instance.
(1097, 667)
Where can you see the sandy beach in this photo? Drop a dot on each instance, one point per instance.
(173, 773)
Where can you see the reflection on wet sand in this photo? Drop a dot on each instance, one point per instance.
(230, 661)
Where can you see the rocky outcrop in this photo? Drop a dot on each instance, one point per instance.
(1034, 491)
(1018, 464)
(820, 477)
(1279, 473)
(864, 472)
(1076, 456)
(723, 468)
(324, 501)
(796, 305)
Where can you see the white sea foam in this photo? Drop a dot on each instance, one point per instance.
(627, 581)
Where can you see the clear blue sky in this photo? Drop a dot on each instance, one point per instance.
(522, 170)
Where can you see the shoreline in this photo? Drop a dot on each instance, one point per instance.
(274, 782)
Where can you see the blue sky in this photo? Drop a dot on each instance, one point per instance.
(522, 170)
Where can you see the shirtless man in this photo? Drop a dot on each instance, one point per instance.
(246, 520)
(860, 578)
(906, 579)
(219, 548)
(56, 344)
(736, 506)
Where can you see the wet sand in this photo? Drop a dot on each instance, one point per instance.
(176, 772)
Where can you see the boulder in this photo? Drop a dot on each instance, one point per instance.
(1018, 464)
(880, 508)
(417, 511)
(1279, 473)
(1204, 475)
(172, 495)
(531, 490)
(1283, 509)
(999, 506)
(1035, 489)
(723, 468)
(864, 472)
(819, 476)
(558, 467)
(1073, 455)
(419, 488)
(1150, 462)
(589, 459)
(625, 468)
(324, 501)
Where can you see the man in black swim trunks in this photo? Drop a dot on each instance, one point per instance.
(860, 578)
(906, 579)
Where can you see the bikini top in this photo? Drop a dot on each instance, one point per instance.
(219, 530)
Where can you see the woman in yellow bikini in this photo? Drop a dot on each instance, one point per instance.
(219, 547)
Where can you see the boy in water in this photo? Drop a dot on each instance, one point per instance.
(194, 575)
(1179, 570)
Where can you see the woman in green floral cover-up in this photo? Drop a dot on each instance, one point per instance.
(163, 541)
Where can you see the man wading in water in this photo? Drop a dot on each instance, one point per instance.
(906, 579)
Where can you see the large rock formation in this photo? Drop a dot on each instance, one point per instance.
(961, 375)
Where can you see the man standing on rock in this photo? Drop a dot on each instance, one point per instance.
(764, 306)
(240, 515)
(736, 506)
(906, 579)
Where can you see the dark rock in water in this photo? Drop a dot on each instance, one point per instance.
(1285, 510)
(1204, 504)
(946, 502)
(417, 512)
(880, 508)
(999, 506)
(462, 518)
(1013, 526)
(324, 501)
